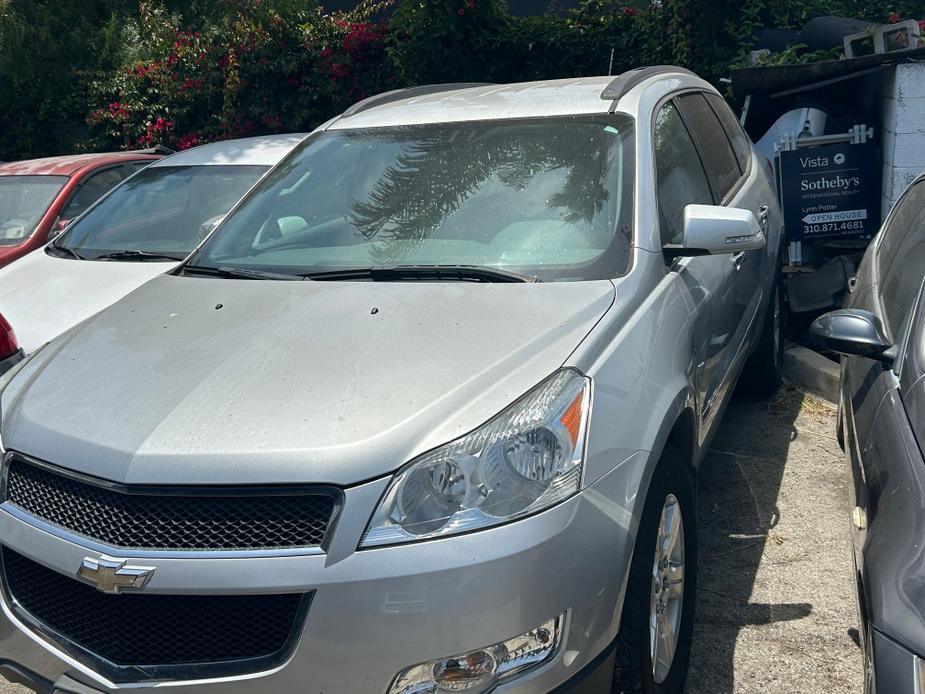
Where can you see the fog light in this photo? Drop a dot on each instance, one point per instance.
(480, 670)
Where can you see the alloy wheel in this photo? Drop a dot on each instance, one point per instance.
(667, 591)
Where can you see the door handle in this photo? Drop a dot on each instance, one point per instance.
(763, 213)
(737, 258)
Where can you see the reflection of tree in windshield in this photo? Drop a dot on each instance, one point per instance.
(439, 170)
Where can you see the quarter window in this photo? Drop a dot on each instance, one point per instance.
(718, 159)
(679, 173)
(901, 259)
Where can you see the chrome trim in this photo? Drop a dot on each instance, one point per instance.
(111, 575)
(918, 675)
(93, 546)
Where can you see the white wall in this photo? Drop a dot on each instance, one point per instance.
(902, 103)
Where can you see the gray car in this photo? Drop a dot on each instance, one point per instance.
(881, 425)
(423, 414)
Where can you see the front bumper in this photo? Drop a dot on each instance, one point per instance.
(377, 611)
(896, 670)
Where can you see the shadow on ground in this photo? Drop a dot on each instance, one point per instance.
(754, 579)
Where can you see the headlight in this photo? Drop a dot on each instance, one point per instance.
(525, 459)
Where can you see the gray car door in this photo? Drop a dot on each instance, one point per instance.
(888, 283)
(751, 193)
(912, 376)
(727, 172)
(878, 408)
(710, 279)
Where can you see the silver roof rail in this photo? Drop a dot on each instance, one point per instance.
(625, 81)
(407, 93)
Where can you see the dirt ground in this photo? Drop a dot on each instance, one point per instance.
(775, 598)
(776, 604)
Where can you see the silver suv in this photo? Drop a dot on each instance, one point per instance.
(423, 415)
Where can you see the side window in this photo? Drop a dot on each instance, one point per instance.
(901, 259)
(710, 138)
(679, 174)
(92, 189)
(741, 145)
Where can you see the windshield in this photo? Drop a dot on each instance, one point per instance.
(23, 202)
(161, 209)
(550, 198)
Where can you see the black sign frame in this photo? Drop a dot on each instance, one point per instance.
(831, 192)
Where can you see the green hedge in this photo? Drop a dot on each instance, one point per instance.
(104, 74)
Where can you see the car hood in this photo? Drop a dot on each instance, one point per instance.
(206, 381)
(42, 296)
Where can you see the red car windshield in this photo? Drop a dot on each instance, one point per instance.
(23, 202)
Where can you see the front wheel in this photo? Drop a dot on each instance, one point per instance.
(653, 647)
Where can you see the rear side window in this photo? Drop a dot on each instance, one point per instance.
(901, 260)
(741, 145)
(679, 173)
(718, 159)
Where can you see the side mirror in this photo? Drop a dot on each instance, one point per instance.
(208, 226)
(714, 229)
(59, 226)
(854, 332)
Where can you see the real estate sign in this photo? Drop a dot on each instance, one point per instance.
(831, 192)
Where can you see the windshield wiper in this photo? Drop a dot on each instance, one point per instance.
(140, 256)
(399, 273)
(64, 251)
(236, 273)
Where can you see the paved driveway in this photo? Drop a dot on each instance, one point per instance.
(776, 601)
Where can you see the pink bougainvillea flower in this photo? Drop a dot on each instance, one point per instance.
(894, 17)
(189, 140)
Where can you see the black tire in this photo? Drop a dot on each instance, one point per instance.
(761, 376)
(633, 672)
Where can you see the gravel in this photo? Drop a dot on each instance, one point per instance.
(776, 601)
(776, 606)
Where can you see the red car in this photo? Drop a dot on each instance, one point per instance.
(42, 195)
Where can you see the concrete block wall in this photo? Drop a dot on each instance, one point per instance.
(902, 137)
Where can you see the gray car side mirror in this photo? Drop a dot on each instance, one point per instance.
(715, 229)
(855, 332)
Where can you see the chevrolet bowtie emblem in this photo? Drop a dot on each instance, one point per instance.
(111, 575)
